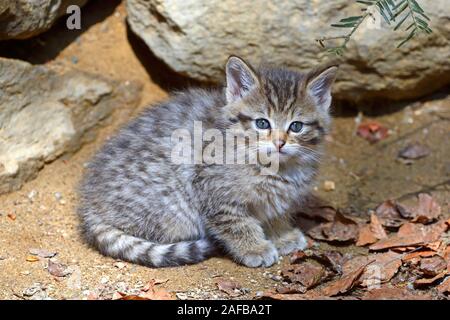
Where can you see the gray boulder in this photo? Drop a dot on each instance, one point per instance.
(45, 112)
(20, 19)
(195, 37)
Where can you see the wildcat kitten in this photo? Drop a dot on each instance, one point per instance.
(136, 204)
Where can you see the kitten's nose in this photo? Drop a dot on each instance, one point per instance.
(279, 144)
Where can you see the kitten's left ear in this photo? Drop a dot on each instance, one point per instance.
(240, 78)
(318, 85)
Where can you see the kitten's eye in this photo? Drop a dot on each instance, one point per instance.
(262, 124)
(296, 126)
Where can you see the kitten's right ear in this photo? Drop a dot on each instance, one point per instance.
(318, 84)
(240, 78)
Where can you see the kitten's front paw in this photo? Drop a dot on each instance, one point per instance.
(263, 256)
(291, 241)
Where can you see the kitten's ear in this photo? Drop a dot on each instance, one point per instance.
(318, 85)
(240, 78)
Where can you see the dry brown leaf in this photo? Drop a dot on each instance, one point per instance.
(427, 209)
(291, 288)
(435, 246)
(372, 131)
(411, 235)
(345, 283)
(389, 214)
(57, 269)
(366, 236)
(377, 228)
(418, 254)
(428, 281)
(230, 287)
(382, 270)
(152, 283)
(383, 267)
(446, 254)
(387, 209)
(396, 241)
(432, 266)
(118, 295)
(297, 256)
(444, 287)
(306, 273)
(148, 292)
(386, 293)
(151, 292)
(372, 232)
(310, 295)
(321, 213)
(342, 229)
(331, 259)
(123, 296)
(157, 294)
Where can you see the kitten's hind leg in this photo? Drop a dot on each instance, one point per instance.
(243, 237)
(286, 238)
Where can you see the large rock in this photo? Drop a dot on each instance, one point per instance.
(195, 37)
(20, 19)
(46, 112)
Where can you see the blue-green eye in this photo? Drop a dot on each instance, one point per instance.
(262, 124)
(296, 126)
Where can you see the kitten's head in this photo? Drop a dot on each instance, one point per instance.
(288, 111)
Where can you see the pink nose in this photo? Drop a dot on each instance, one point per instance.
(279, 144)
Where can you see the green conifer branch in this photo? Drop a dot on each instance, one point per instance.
(398, 11)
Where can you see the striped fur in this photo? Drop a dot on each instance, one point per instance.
(114, 242)
(138, 205)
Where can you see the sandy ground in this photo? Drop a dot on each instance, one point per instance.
(33, 217)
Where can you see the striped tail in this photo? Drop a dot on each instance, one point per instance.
(115, 243)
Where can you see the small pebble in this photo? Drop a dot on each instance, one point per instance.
(32, 195)
(181, 296)
(59, 198)
(120, 265)
(104, 280)
(329, 185)
(276, 278)
(34, 289)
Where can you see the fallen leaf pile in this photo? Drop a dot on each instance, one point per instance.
(409, 251)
